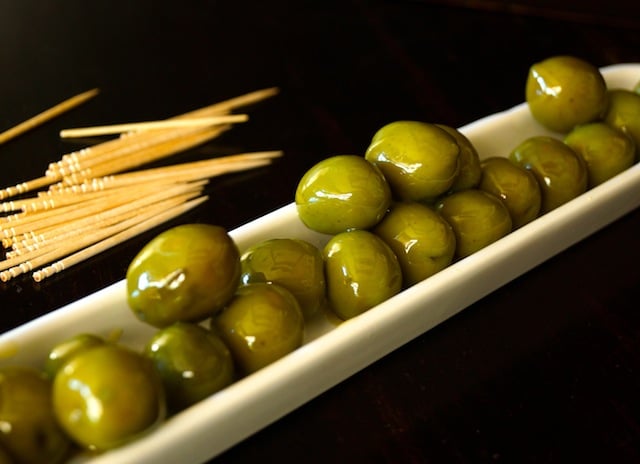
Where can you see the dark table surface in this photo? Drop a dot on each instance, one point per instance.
(544, 369)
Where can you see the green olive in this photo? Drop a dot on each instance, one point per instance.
(29, 432)
(64, 351)
(186, 273)
(470, 170)
(421, 239)
(420, 160)
(107, 396)
(636, 89)
(623, 113)
(362, 271)
(193, 363)
(560, 171)
(294, 264)
(564, 91)
(261, 324)
(515, 186)
(340, 193)
(606, 150)
(477, 218)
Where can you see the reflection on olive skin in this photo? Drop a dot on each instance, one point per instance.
(193, 363)
(420, 160)
(108, 396)
(361, 271)
(29, 431)
(623, 113)
(421, 239)
(564, 91)
(185, 273)
(607, 151)
(470, 171)
(340, 193)
(262, 323)
(515, 186)
(561, 172)
(294, 264)
(477, 218)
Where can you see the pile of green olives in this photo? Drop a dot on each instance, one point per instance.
(443, 203)
(416, 201)
(218, 316)
(91, 393)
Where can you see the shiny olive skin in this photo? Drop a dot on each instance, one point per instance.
(421, 239)
(261, 324)
(294, 264)
(64, 351)
(606, 150)
(193, 363)
(515, 186)
(342, 192)
(565, 91)
(623, 113)
(470, 170)
(478, 219)
(29, 431)
(420, 160)
(185, 273)
(362, 271)
(107, 396)
(560, 171)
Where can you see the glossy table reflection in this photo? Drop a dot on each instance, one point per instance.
(545, 369)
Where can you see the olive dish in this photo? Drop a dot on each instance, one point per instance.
(333, 351)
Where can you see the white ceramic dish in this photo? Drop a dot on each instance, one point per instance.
(330, 353)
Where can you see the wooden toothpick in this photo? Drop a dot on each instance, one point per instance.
(52, 253)
(115, 239)
(95, 199)
(231, 104)
(152, 125)
(131, 142)
(46, 115)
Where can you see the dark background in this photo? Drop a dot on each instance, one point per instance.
(545, 369)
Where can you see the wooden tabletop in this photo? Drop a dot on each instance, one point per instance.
(544, 369)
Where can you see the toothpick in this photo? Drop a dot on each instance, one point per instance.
(21, 223)
(114, 240)
(143, 155)
(24, 223)
(152, 125)
(208, 168)
(100, 207)
(46, 115)
(183, 172)
(232, 103)
(25, 187)
(37, 243)
(92, 203)
(54, 252)
(129, 142)
(135, 137)
(49, 202)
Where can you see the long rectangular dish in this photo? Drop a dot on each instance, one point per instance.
(332, 353)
